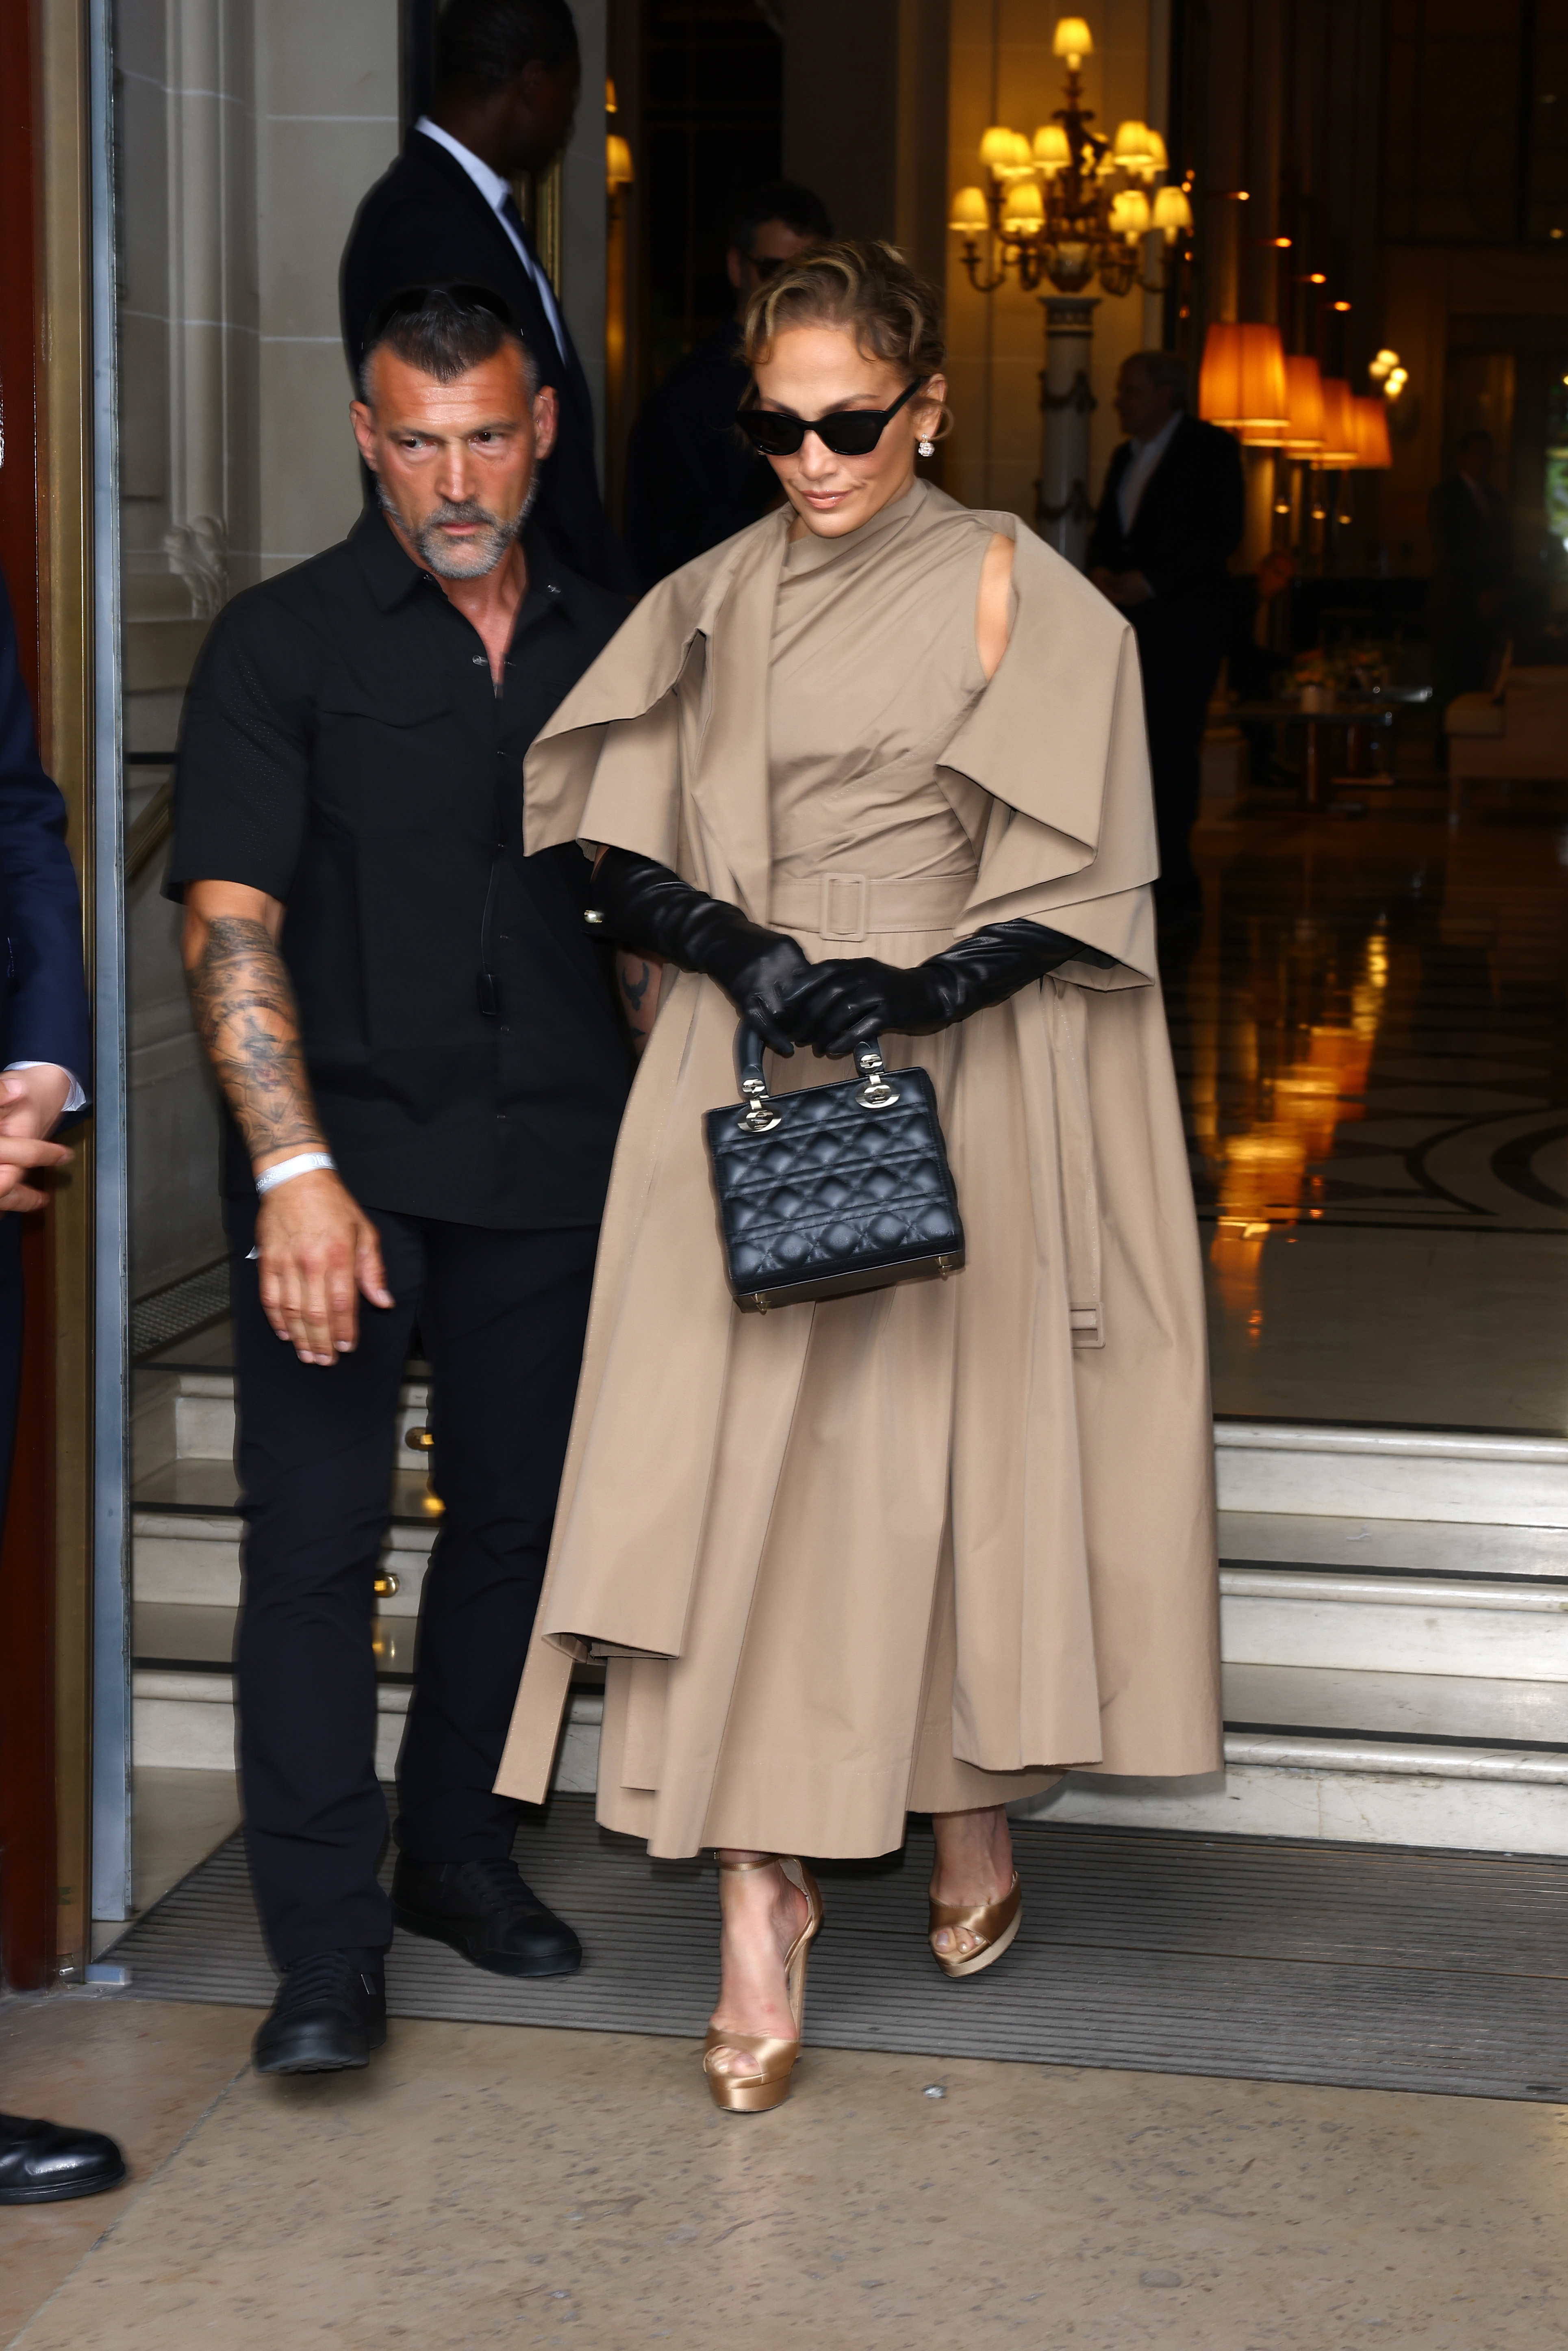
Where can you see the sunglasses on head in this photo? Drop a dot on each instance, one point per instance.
(847, 432)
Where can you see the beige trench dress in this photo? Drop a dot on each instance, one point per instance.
(922, 1548)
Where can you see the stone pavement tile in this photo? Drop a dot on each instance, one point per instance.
(485, 2184)
(141, 2073)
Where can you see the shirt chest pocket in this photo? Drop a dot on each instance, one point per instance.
(386, 763)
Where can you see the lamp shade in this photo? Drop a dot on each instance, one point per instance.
(1369, 422)
(1073, 38)
(1242, 382)
(1051, 152)
(1303, 408)
(1157, 155)
(617, 163)
(1130, 212)
(1023, 209)
(1131, 144)
(1339, 423)
(997, 149)
(1172, 209)
(970, 213)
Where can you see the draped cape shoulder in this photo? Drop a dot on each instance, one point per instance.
(657, 750)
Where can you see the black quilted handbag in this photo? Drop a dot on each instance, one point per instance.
(833, 1189)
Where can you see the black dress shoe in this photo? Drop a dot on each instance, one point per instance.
(329, 2015)
(47, 2163)
(485, 1910)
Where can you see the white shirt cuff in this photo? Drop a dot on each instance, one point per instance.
(75, 1100)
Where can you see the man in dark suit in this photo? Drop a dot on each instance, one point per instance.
(691, 480)
(1472, 542)
(506, 80)
(1171, 516)
(45, 1052)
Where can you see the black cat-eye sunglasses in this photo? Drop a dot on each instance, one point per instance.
(847, 432)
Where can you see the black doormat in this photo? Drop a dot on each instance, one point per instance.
(1367, 1965)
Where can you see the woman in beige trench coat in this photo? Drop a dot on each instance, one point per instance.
(925, 1548)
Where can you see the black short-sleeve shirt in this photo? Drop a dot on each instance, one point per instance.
(345, 750)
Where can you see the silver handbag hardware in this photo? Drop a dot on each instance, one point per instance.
(759, 1115)
(875, 1093)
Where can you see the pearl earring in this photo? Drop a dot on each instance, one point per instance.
(927, 448)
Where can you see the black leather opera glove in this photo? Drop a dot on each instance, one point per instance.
(841, 1004)
(641, 903)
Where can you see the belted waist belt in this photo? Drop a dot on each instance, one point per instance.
(856, 906)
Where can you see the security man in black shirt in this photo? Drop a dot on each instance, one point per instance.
(419, 1048)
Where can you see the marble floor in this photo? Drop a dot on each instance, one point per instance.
(483, 2184)
(1371, 1043)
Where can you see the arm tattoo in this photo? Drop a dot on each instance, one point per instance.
(245, 1012)
(634, 990)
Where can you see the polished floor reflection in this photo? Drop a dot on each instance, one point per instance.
(1373, 1051)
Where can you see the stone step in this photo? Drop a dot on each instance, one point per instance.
(183, 1719)
(1313, 1470)
(1415, 1785)
(1319, 1470)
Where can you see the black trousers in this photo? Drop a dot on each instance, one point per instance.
(1179, 669)
(502, 1317)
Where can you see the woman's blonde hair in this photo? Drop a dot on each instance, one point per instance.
(868, 288)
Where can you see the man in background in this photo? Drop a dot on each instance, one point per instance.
(46, 1052)
(691, 480)
(1472, 542)
(1171, 516)
(507, 75)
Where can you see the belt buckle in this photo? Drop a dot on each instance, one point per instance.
(854, 927)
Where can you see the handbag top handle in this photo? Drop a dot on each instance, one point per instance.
(762, 1116)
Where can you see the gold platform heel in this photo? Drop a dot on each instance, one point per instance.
(755, 2093)
(996, 1923)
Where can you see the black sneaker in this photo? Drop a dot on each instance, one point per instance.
(329, 2015)
(484, 1910)
(47, 2163)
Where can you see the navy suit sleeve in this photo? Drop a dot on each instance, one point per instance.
(45, 1015)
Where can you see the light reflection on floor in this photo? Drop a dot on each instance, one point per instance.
(1372, 1049)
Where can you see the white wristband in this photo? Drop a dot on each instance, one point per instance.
(307, 1162)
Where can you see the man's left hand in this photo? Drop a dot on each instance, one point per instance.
(31, 1103)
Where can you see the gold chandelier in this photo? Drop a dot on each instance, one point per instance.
(1070, 205)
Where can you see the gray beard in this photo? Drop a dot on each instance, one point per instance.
(484, 553)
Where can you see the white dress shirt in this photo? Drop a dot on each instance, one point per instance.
(1146, 455)
(494, 191)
